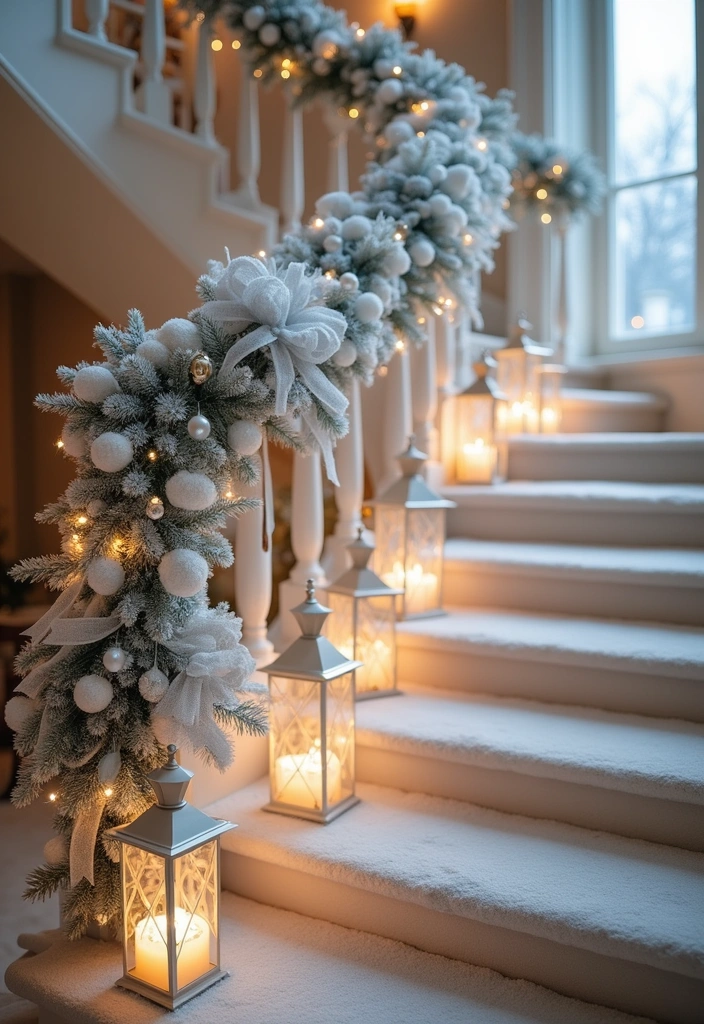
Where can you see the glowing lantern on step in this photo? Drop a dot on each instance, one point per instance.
(170, 868)
(550, 378)
(363, 623)
(518, 378)
(478, 411)
(410, 537)
(312, 686)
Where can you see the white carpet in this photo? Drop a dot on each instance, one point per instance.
(623, 897)
(582, 495)
(630, 753)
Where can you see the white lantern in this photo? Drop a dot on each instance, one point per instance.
(517, 376)
(410, 537)
(312, 722)
(363, 623)
(170, 880)
(478, 411)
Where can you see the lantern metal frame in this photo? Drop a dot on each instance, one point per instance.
(312, 658)
(518, 342)
(360, 583)
(410, 494)
(170, 829)
(483, 387)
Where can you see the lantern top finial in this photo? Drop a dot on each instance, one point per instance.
(412, 459)
(171, 781)
(518, 339)
(484, 384)
(311, 614)
(360, 550)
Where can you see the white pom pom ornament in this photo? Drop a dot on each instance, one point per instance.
(346, 354)
(178, 333)
(74, 441)
(17, 711)
(356, 227)
(154, 352)
(398, 132)
(458, 180)
(192, 491)
(55, 851)
(440, 204)
(153, 684)
(335, 204)
(422, 252)
(254, 18)
(368, 307)
(105, 576)
(94, 384)
(92, 694)
(111, 452)
(244, 437)
(389, 91)
(183, 572)
(269, 34)
(397, 262)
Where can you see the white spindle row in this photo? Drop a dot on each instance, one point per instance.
(96, 13)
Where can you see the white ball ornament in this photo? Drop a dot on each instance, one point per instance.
(458, 180)
(178, 334)
(114, 659)
(382, 288)
(335, 204)
(333, 243)
(437, 174)
(383, 68)
(183, 573)
(349, 282)
(95, 507)
(18, 710)
(332, 226)
(269, 34)
(368, 307)
(244, 437)
(192, 491)
(397, 262)
(389, 91)
(254, 18)
(74, 441)
(111, 452)
(105, 576)
(154, 352)
(155, 509)
(94, 384)
(440, 205)
(346, 354)
(92, 694)
(153, 684)
(422, 252)
(55, 851)
(356, 227)
(398, 132)
(199, 427)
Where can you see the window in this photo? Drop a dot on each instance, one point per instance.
(650, 149)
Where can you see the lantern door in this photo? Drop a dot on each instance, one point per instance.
(196, 896)
(425, 538)
(375, 647)
(145, 917)
(390, 550)
(338, 711)
(510, 378)
(550, 401)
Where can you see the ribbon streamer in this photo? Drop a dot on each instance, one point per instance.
(268, 493)
(83, 840)
(73, 632)
(62, 604)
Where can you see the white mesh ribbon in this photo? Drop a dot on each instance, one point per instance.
(83, 839)
(299, 333)
(218, 670)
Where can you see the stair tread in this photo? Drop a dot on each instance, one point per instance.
(657, 649)
(581, 495)
(627, 898)
(664, 440)
(630, 753)
(298, 970)
(595, 396)
(680, 567)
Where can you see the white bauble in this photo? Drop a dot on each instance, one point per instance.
(333, 243)
(346, 354)
(455, 220)
(383, 289)
(422, 252)
(94, 384)
(199, 427)
(105, 576)
(396, 262)
(356, 227)
(192, 491)
(109, 766)
(254, 18)
(55, 851)
(114, 659)
(389, 91)
(178, 333)
(440, 204)
(244, 437)
(398, 132)
(111, 452)
(458, 180)
(74, 441)
(183, 572)
(368, 307)
(269, 34)
(95, 507)
(349, 282)
(153, 684)
(437, 174)
(335, 204)
(383, 68)
(17, 711)
(154, 352)
(423, 209)
(92, 694)
(332, 226)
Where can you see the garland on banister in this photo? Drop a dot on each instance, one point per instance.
(555, 180)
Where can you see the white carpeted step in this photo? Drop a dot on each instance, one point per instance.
(585, 512)
(651, 458)
(666, 585)
(611, 920)
(586, 410)
(291, 969)
(635, 667)
(635, 776)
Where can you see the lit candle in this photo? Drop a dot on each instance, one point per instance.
(421, 589)
(477, 462)
(299, 779)
(192, 947)
(548, 420)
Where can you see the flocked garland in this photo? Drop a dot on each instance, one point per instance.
(554, 180)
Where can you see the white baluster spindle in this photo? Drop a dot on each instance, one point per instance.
(248, 141)
(253, 576)
(96, 13)
(293, 194)
(398, 418)
(154, 95)
(446, 348)
(338, 166)
(204, 94)
(349, 459)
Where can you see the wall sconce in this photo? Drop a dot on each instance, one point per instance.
(407, 13)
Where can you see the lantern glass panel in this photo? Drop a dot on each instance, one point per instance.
(390, 551)
(426, 535)
(476, 450)
(531, 395)
(340, 737)
(375, 647)
(145, 916)
(550, 404)
(196, 888)
(296, 740)
(339, 627)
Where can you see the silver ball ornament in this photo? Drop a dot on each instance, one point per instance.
(153, 684)
(114, 659)
(199, 427)
(155, 508)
